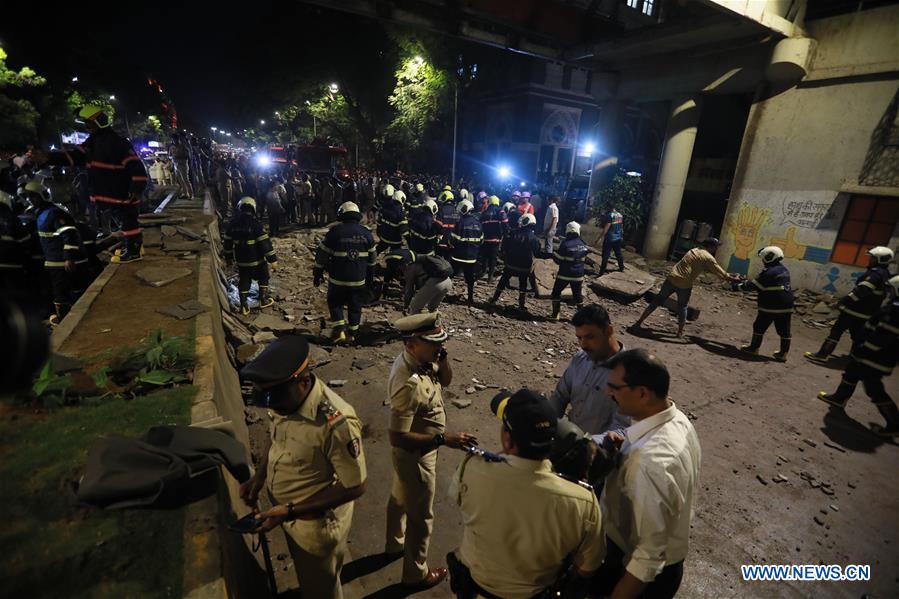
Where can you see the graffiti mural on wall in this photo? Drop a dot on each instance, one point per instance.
(745, 229)
(804, 214)
(798, 250)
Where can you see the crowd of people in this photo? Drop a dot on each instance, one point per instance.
(603, 472)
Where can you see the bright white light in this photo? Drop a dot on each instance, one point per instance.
(522, 184)
(75, 79)
(52, 146)
(228, 134)
(308, 103)
(112, 97)
(214, 128)
(333, 88)
(277, 113)
(263, 161)
(589, 147)
(633, 174)
(503, 172)
(261, 121)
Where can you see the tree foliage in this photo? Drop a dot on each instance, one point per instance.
(421, 96)
(627, 194)
(18, 116)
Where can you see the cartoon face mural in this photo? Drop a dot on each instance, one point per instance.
(745, 229)
(799, 251)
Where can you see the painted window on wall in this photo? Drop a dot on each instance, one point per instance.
(869, 221)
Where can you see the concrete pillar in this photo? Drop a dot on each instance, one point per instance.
(607, 144)
(680, 136)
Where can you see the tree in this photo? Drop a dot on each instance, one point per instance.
(18, 116)
(421, 96)
(627, 194)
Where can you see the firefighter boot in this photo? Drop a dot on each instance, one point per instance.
(244, 304)
(781, 356)
(557, 310)
(822, 354)
(840, 397)
(61, 311)
(753, 347)
(131, 252)
(265, 300)
(891, 413)
(521, 297)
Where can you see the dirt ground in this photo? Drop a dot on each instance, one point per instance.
(758, 422)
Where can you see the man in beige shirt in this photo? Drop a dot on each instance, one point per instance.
(417, 429)
(681, 278)
(314, 467)
(522, 520)
(648, 497)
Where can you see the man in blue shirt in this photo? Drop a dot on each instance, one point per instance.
(612, 238)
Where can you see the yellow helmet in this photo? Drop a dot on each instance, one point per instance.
(37, 188)
(493, 201)
(95, 113)
(447, 188)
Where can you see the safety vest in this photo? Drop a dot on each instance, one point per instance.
(570, 258)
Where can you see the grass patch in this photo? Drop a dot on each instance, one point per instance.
(51, 547)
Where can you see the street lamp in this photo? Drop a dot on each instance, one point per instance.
(112, 97)
(333, 88)
(261, 121)
(75, 79)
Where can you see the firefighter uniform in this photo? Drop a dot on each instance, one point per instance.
(467, 238)
(250, 247)
(416, 405)
(14, 245)
(570, 257)
(775, 305)
(395, 263)
(392, 225)
(61, 243)
(116, 178)
(347, 254)
(315, 447)
(423, 230)
(519, 249)
(447, 217)
(494, 223)
(855, 309)
(870, 362)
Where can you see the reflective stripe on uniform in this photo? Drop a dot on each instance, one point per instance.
(346, 283)
(564, 278)
(468, 239)
(889, 327)
(854, 313)
(776, 311)
(559, 256)
(464, 261)
(66, 246)
(874, 365)
(347, 254)
(247, 264)
(773, 288)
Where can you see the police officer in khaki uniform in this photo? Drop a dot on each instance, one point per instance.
(521, 519)
(314, 468)
(417, 429)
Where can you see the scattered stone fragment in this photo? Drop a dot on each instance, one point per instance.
(780, 478)
(157, 276)
(835, 446)
(263, 337)
(761, 479)
(819, 521)
(480, 387)
(184, 310)
(362, 364)
(821, 308)
(337, 382)
(810, 442)
(851, 485)
(782, 459)
(470, 390)
(461, 403)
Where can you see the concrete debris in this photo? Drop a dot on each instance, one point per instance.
(780, 478)
(157, 276)
(821, 308)
(834, 446)
(819, 521)
(337, 382)
(470, 390)
(810, 442)
(761, 479)
(361, 364)
(184, 310)
(270, 322)
(248, 351)
(461, 403)
(264, 337)
(624, 287)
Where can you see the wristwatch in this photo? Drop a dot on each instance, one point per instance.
(439, 439)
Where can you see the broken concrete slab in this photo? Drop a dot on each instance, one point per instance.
(248, 351)
(461, 403)
(181, 246)
(671, 305)
(157, 276)
(270, 322)
(264, 337)
(624, 287)
(63, 363)
(184, 310)
(189, 233)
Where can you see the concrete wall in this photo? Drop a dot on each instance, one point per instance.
(804, 151)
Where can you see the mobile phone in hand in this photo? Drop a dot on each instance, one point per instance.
(441, 356)
(246, 525)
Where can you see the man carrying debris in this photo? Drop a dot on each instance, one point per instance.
(775, 301)
(417, 429)
(682, 277)
(859, 305)
(871, 361)
(313, 468)
(520, 248)
(247, 243)
(428, 280)
(570, 257)
(347, 254)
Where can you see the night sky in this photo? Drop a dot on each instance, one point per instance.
(222, 64)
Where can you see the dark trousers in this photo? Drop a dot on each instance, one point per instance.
(607, 248)
(468, 270)
(245, 277)
(489, 254)
(576, 290)
(847, 322)
(871, 379)
(63, 284)
(781, 322)
(507, 275)
(125, 216)
(274, 223)
(612, 569)
(351, 297)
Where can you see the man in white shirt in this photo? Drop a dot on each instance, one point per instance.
(647, 502)
(550, 222)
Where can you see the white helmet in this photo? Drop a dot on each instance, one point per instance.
(508, 207)
(400, 197)
(771, 254)
(882, 255)
(433, 206)
(389, 190)
(894, 283)
(347, 208)
(463, 193)
(247, 201)
(573, 227)
(465, 207)
(419, 187)
(527, 220)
